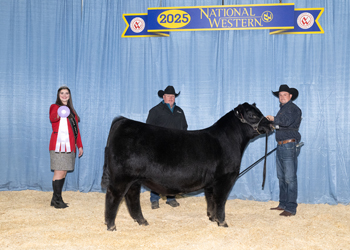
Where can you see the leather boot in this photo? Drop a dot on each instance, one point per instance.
(57, 200)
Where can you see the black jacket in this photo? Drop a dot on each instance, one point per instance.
(160, 115)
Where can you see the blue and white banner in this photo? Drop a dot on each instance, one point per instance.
(305, 22)
(279, 18)
(137, 26)
(236, 17)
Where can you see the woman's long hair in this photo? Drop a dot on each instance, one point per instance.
(69, 103)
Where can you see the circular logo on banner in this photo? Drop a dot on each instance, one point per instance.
(137, 24)
(305, 20)
(267, 16)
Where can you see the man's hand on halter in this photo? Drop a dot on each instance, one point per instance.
(270, 118)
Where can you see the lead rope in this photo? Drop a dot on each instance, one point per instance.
(264, 172)
(266, 154)
(255, 163)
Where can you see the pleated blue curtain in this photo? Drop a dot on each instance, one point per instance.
(214, 70)
(38, 47)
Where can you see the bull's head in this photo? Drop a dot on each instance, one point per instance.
(252, 116)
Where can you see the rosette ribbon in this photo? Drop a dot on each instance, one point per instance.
(62, 143)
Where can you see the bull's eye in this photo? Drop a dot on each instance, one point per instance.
(237, 112)
(253, 116)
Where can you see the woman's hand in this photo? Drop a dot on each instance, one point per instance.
(80, 152)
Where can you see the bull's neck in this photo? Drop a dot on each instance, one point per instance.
(231, 129)
(239, 136)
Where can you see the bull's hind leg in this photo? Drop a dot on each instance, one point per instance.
(211, 211)
(132, 199)
(113, 199)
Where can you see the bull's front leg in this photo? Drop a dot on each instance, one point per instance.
(220, 214)
(220, 194)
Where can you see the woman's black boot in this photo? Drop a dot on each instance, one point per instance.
(56, 200)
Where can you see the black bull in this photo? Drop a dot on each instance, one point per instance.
(174, 161)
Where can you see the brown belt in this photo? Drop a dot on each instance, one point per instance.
(285, 141)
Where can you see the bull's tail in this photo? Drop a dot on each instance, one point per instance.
(106, 174)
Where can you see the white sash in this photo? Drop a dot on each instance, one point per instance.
(63, 137)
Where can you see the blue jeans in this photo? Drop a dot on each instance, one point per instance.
(155, 197)
(287, 165)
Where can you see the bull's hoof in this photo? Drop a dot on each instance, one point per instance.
(212, 218)
(145, 223)
(223, 224)
(142, 223)
(114, 228)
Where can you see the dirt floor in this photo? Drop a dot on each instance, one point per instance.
(27, 221)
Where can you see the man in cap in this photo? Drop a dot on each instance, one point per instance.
(166, 114)
(287, 122)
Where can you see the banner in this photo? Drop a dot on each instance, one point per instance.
(278, 18)
(305, 22)
(137, 26)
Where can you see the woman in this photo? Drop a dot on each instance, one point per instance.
(65, 138)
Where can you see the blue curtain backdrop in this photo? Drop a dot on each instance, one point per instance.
(45, 44)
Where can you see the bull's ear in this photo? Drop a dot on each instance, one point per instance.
(254, 104)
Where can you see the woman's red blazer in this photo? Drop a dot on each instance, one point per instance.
(55, 122)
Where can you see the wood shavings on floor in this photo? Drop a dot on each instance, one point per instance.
(27, 221)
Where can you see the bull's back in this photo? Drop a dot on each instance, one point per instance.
(167, 155)
(162, 145)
